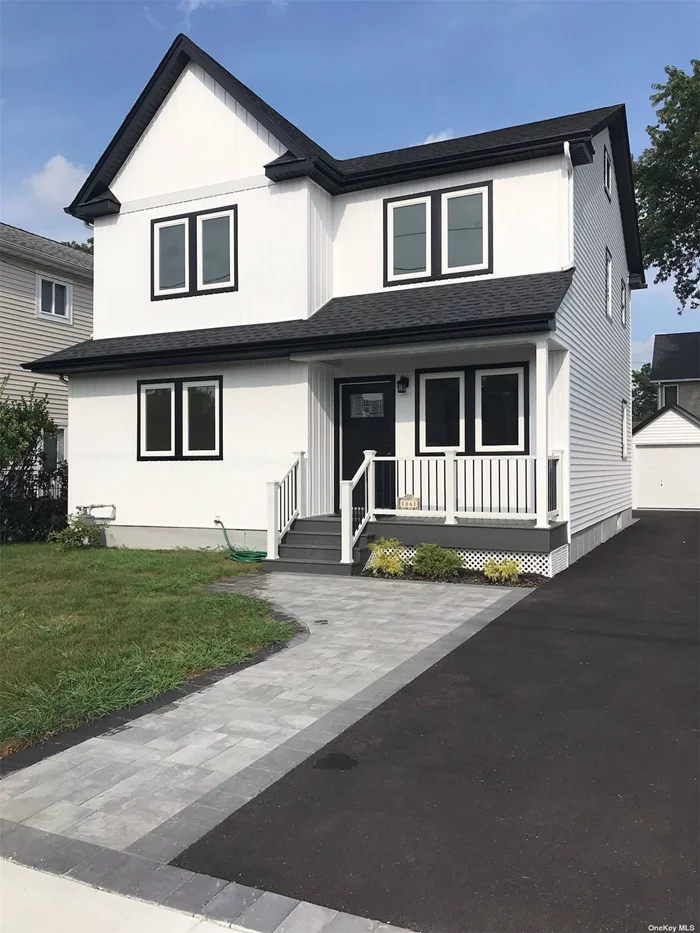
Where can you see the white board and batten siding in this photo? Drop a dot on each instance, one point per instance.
(26, 337)
(600, 353)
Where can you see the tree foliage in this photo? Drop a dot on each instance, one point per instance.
(667, 176)
(643, 393)
(87, 247)
(23, 424)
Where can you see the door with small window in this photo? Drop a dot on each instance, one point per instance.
(368, 422)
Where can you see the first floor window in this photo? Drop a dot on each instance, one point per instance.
(180, 419)
(53, 449)
(670, 395)
(54, 299)
(441, 415)
(608, 283)
(500, 409)
(625, 431)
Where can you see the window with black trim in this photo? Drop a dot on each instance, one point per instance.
(438, 234)
(607, 172)
(194, 254)
(499, 397)
(670, 395)
(180, 419)
(441, 412)
(608, 283)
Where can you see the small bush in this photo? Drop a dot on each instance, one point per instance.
(436, 563)
(502, 571)
(80, 532)
(388, 558)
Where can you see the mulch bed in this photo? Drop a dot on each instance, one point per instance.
(470, 577)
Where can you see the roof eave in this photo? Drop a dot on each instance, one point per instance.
(49, 262)
(522, 324)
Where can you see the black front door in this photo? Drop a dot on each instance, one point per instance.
(368, 422)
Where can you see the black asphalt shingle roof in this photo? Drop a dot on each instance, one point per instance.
(676, 356)
(19, 241)
(506, 305)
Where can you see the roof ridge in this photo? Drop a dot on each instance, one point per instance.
(41, 236)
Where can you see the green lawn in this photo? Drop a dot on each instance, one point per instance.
(84, 633)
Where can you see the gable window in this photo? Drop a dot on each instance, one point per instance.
(440, 234)
(194, 254)
(608, 283)
(625, 431)
(623, 303)
(607, 172)
(464, 230)
(500, 409)
(670, 395)
(180, 419)
(441, 412)
(409, 238)
(54, 299)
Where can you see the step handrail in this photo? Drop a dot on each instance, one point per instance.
(350, 530)
(286, 501)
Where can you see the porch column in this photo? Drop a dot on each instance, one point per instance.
(541, 443)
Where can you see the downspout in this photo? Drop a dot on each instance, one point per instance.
(570, 206)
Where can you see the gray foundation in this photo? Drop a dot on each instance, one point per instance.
(163, 538)
(584, 541)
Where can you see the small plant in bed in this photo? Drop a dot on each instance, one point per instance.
(86, 631)
(388, 558)
(436, 563)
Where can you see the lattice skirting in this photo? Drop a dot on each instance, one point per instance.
(548, 565)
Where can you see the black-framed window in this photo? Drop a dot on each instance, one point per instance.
(608, 284)
(180, 419)
(623, 302)
(476, 410)
(438, 234)
(194, 254)
(670, 395)
(607, 172)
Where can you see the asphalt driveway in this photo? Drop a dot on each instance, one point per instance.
(541, 777)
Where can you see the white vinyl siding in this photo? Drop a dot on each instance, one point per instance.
(669, 428)
(600, 354)
(27, 336)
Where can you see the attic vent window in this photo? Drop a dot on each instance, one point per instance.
(194, 254)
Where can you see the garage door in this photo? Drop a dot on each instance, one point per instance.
(667, 477)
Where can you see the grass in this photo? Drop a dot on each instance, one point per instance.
(85, 633)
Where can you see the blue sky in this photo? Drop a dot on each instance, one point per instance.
(356, 76)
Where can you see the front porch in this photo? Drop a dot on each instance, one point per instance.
(462, 447)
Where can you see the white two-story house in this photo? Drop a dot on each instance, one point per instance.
(432, 342)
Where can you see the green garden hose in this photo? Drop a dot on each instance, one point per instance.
(240, 554)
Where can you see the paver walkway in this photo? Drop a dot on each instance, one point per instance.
(116, 809)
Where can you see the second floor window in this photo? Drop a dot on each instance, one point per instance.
(440, 234)
(607, 172)
(54, 299)
(194, 253)
(608, 284)
(670, 395)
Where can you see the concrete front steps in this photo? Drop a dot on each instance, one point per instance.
(312, 545)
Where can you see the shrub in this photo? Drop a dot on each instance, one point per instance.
(502, 571)
(436, 563)
(80, 532)
(388, 558)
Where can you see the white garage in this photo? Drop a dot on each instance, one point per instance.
(666, 460)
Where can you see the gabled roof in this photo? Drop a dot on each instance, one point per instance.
(683, 412)
(520, 304)
(35, 248)
(305, 158)
(676, 356)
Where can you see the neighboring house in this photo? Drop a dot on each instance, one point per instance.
(267, 317)
(667, 444)
(675, 368)
(45, 306)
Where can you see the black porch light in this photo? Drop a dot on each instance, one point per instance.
(402, 384)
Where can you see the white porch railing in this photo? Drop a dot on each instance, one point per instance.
(286, 500)
(357, 498)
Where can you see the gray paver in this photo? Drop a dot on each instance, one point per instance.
(230, 902)
(194, 893)
(97, 866)
(307, 918)
(68, 857)
(347, 923)
(157, 848)
(267, 913)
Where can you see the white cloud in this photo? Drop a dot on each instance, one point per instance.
(35, 202)
(57, 183)
(642, 350)
(438, 137)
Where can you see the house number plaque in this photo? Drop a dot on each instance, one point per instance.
(409, 502)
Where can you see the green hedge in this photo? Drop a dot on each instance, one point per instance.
(23, 520)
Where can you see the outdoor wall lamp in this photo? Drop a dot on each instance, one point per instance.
(402, 384)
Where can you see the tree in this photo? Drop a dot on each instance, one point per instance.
(667, 176)
(87, 247)
(643, 393)
(23, 425)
